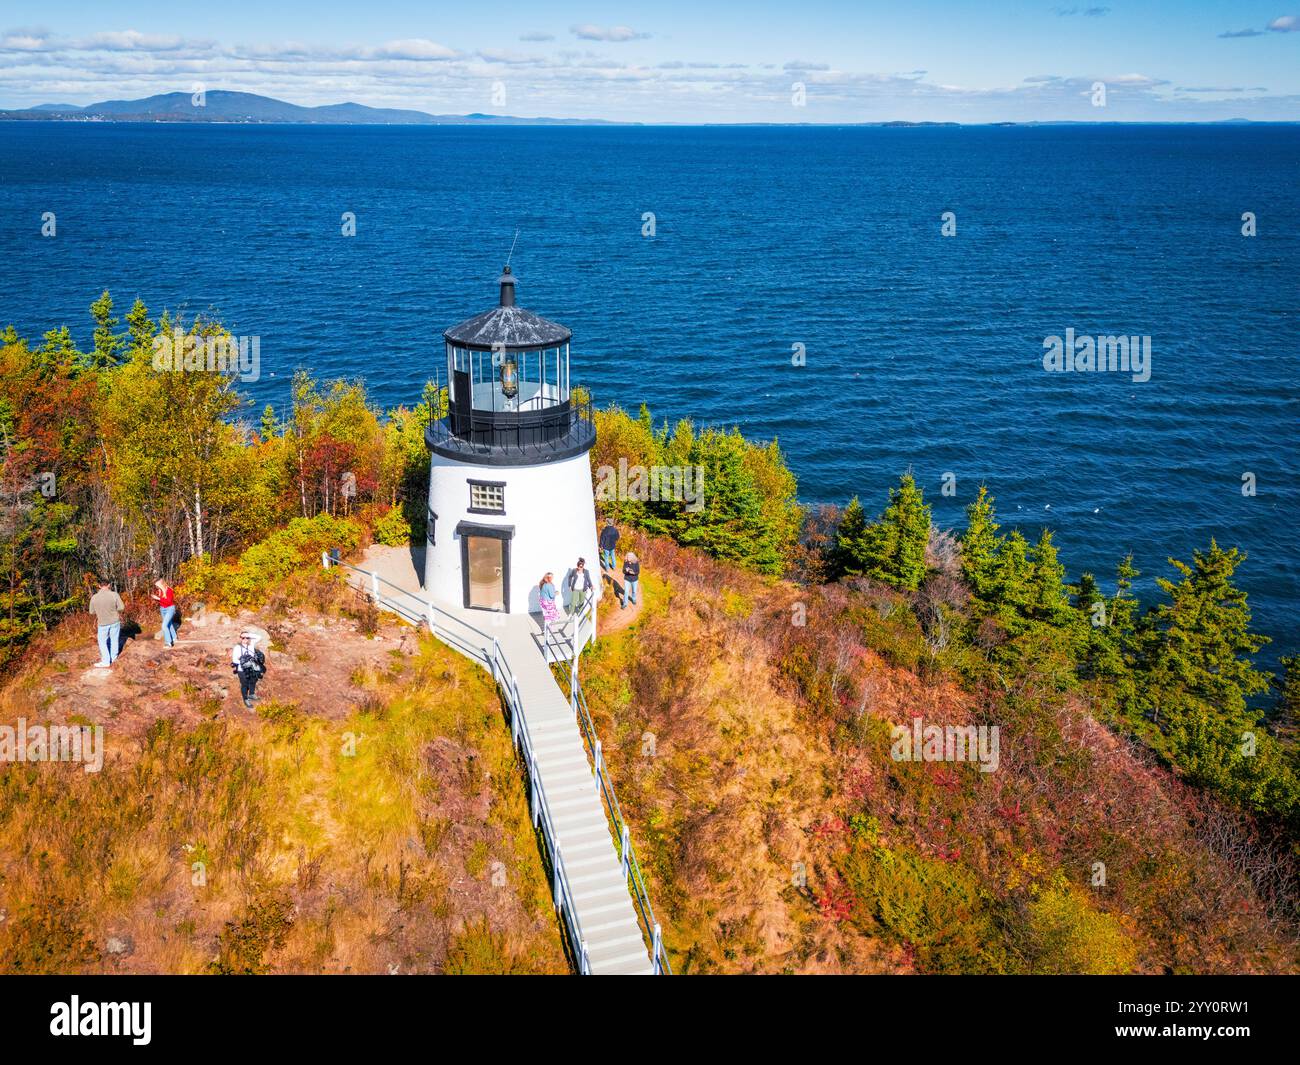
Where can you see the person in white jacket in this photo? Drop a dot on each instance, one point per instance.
(248, 664)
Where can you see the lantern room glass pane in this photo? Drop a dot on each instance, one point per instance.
(540, 376)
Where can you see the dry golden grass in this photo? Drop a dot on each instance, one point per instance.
(751, 755)
(284, 842)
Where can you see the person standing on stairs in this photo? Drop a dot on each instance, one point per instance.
(608, 541)
(631, 575)
(579, 585)
(546, 599)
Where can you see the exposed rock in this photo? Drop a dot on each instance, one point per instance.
(123, 945)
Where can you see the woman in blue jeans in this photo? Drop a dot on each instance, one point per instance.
(165, 597)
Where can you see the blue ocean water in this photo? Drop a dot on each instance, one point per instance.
(923, 351)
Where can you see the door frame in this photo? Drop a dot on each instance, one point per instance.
(504, 533)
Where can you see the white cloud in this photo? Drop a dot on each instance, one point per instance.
(1285, 24)
(537, 35)
(588, 32)
(415, 48)
(129, 41)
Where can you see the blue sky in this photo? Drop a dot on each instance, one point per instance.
(673, 61)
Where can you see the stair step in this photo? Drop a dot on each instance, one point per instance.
(641, 956)
(576, 865)
(635, 967)
(614, 945)
(599, 891)
(564, 773)
(620, 923)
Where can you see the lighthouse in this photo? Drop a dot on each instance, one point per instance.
(510, 492)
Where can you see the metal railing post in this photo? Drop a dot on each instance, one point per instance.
(627, 846)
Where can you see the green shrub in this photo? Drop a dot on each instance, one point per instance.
(936, 907)
(1066, 935)
(393, 530)
(271, 561)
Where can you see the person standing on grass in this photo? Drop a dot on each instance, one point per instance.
(165, 597)
(546, 599)
(579, 585)
(631, 575)
(608, 541)
(248, 664)
(107, 606)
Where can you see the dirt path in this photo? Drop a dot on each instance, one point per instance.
(612, 618)
(311, 660)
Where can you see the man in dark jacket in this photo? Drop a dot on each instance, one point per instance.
(608, 541)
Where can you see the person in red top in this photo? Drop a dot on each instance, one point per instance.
(165, 597)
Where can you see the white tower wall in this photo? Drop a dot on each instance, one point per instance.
(550, 508)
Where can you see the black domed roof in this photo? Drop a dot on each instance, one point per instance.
(507, 326)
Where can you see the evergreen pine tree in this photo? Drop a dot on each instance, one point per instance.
(58, 350)
(979, 546)
(1048, 599)
(1122, 612)
(1089, 601)
(268, 422)
(845, 557)
(1012, 590)
(140, 327)
(1197, 646)
(1286, 717)
(895, 545)
(108, 344)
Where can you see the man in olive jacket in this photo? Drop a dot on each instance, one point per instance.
(107, 606)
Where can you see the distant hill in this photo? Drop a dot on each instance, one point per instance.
(223, 106)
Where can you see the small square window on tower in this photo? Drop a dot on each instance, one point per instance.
(487, 497)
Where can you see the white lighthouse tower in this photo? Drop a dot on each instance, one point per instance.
(510, 494)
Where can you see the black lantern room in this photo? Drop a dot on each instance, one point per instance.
(510, 400)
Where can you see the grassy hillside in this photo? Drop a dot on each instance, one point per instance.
(368, 818)
(752, 756)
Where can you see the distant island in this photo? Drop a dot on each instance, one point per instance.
(221, 105)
